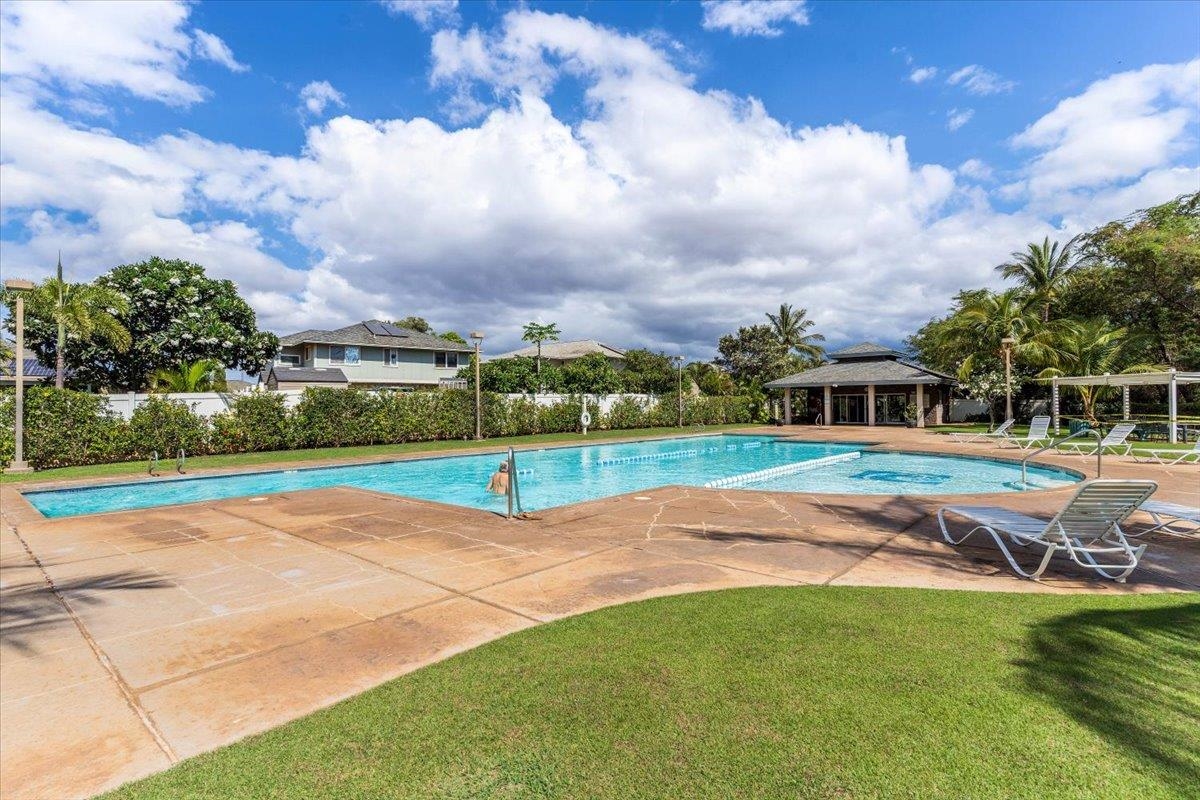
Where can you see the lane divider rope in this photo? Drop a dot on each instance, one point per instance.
(784, 469)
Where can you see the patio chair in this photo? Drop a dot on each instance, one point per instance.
(1039, 431)
(1113, 442)
(1001, 432)
(1087, 529)
(1171, 517)
(1167, 457)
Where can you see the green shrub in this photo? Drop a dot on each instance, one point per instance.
(257, 421)
(166, 426)
(626, 413)
(64, 428)
(521, 417)
(329, 417)
(8, 438)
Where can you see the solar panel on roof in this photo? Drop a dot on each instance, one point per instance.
(376, 328)
(392, 330)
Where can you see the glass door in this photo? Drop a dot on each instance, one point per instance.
(849, 409)
(889, 409)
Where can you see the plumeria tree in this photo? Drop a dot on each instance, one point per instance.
(536, 333)
(175, 314)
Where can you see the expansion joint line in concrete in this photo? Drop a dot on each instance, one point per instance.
(106, 663)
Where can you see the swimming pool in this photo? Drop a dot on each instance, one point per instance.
(563, 475)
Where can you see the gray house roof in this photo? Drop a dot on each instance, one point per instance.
(33, 368)
(307, 374)
(359, 334)
(864, 350)
(566, 351)
(860, 365)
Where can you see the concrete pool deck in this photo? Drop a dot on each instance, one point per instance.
(134, 639)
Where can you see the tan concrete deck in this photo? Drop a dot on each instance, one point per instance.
(134, 639)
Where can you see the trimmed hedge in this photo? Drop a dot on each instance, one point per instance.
(67, 428)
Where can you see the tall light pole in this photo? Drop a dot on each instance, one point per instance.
(1007, 343)
(477, 338)
(679, 365)
(18, 287)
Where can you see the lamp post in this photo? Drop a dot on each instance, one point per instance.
(679, 365)
(477, 338)
(18, 287)
(1007, 343)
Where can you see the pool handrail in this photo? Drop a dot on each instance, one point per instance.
(513, 493)
(1055, 443)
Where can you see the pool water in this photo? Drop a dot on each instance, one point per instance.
(559, 476)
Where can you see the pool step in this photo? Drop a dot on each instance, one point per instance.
(784, 469)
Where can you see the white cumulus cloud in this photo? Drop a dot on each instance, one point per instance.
(753, 17)
(975, 169)
(317, 95)
(142, 48)
(1117, 129)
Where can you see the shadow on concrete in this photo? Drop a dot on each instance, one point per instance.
(882, 512)
(28, 610)
(1132, 677)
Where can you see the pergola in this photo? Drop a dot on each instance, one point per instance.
(1170, 378)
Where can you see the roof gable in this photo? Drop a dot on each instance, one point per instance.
(567, 350)
(864, 350)
(360, 334)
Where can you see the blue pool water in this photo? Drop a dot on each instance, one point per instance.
(559, 476)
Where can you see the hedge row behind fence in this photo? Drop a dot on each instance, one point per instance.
(65, 428)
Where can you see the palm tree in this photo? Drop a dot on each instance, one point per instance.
(790, 325)
(983, 324)
(82, 309)
(1043, 270)
(537, 333)
(1091, 347)
(204, 375)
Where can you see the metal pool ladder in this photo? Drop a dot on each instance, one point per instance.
(514, 489)
(1056, 443)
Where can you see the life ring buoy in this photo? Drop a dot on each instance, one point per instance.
(585, 419)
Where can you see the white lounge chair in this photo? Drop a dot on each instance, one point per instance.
(1039, 432)
(1001, 432)
(1166, 457)
(1113, 442)
(1172, 518)
(1088, 529)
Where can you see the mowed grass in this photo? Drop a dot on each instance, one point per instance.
(244, 460)
(766, 693)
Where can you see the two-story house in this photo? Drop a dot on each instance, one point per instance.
(368, 355)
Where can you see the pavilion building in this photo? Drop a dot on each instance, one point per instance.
(867, 384)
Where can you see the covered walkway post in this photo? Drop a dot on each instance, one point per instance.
(1172, 406)
(1171, 379)
(787, 406)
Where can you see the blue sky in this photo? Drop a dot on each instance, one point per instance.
(651, 173)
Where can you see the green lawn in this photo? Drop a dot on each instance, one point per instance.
(293, 456)
(1021, 430)
(766, 693)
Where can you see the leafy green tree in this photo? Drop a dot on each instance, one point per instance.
(988, 386)
(709, 379)
(504, 375)
(591, 374)
(536, 333)
(174, 314)
(452, 336)
(1143, 273)
(790, 326)
(1093, 347)
(417, 324)
(648, 373)
(980, 327)
(1043, 271)
(755, 355)
(76, 311)
(204, 375)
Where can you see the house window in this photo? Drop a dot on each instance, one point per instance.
(449, 360)
(393, 358)
(343, 354)
(289, 358)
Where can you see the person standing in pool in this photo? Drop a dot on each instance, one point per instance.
(498, 483)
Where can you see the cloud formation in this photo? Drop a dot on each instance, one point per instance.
(922, 74)
(753, 17)
(317, 95)
(426, 13)
(979, 81)
(665, 216)
(956, 118)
